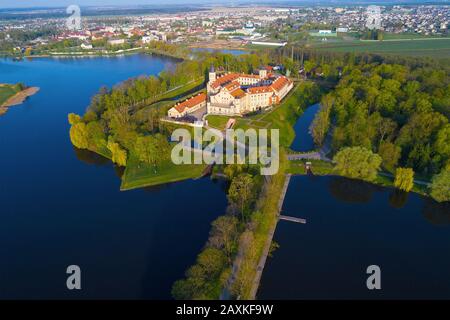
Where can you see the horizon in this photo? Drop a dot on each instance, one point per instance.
(43, 4)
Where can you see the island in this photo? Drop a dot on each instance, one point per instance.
(14, 94)
(381, 120)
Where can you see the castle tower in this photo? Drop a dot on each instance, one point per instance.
(262, 73)
(212, 74)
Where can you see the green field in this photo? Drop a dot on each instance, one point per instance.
(431, 47)
(139, 175)
(7, 91)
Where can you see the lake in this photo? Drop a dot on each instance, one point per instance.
(62, 206)
(351, 225)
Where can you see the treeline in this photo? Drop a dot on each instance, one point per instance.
(330, 65)
(399, 112)
(209, 275)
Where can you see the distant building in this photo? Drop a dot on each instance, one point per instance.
(342, 30)
(86, 46)
(269, 43)
(115, 42)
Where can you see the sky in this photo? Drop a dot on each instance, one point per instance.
(64, 3)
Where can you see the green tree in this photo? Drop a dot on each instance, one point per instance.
(223, 234)
(390, 153)
(152, 149)
(440, 186)
(404, 179)
(241, 192)
(73, 118)
(79, 135)
(357, 162)
(232, 170)
(321, 122)
(119, 155)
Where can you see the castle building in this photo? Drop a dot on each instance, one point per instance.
(188, 106)
(236, 94)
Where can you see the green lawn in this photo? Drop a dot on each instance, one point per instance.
(217, 122)
(7, 91)
(139, 175)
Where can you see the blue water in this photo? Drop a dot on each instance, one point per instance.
(303, 140)
(351, 225)
(62, 206)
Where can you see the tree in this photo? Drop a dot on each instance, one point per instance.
(232, 170)
(73, 118)
(241, 192)
(404, 179)
(119, 155)
(152, 149)
(224, 234)
(78, 135)
(321, 122)
(390, 153)
(357, 162)
(440, 186)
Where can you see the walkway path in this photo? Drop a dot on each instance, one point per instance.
(262, 261)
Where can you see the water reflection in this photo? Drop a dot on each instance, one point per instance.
(90, 157)
(398, 198)
(436, 213)
(351, 191)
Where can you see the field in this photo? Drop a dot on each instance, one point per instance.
(7, 91)
(139, 175)
(430, 47)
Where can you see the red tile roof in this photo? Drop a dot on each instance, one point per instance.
(224, 79)
(263, 89)
(280, 83)
(233, 85)
(191, 102)
(238, 93)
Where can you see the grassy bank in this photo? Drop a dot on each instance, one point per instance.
(139, 175)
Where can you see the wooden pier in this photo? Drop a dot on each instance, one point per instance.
(292, 219)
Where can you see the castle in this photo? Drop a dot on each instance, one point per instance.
(236, 94)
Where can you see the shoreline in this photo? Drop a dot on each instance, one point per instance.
(93, 55)
(18, 99)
